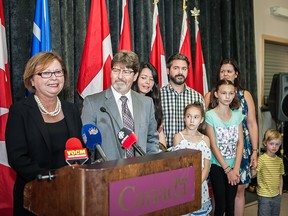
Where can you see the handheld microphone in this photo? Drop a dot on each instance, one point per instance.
(74, 152)
(92, 138)
(128, 139)
(103, 109)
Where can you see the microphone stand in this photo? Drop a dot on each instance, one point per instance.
(119, 146)
(41, 177)
(139, 149)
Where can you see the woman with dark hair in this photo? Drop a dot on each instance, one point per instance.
(147, 84)
(229, 70)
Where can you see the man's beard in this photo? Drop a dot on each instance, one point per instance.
(174, 80)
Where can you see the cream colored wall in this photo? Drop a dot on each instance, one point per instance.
(266, 26)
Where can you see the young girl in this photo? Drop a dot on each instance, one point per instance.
(224, 128)
(191, 138)
(269, 175)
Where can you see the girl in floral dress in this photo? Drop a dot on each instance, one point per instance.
(191, 138)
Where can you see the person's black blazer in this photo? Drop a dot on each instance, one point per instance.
(28, 142)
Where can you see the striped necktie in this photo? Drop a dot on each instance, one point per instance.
(128, 122)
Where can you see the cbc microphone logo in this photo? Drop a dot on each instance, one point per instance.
(121, 135)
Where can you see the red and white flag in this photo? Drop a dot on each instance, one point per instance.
(200, 78)
(157, 55)
(95, 66)
(125, 42)
(185, 48)
(7, 174)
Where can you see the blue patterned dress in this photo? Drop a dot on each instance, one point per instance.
(245, 174)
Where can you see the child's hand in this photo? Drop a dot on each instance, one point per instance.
(233, 177)
(253, 172)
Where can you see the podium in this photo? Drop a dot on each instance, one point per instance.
(144, 186)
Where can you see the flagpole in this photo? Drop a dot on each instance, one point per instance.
(195, 12)
(184, 5)
(157, 54)
(185, 45)
(199, 67)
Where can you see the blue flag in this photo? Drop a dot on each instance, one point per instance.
(41, 28)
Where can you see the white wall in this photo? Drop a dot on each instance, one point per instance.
(266, 24)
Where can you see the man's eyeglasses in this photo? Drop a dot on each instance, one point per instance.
(48, 74)
(124, 72)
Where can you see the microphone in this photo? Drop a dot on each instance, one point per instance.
(129, 139)
(103, 109)
(92, 138)
(74, 152)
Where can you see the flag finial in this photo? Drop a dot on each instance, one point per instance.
(184, 5)
(195, 12)
(155, 2)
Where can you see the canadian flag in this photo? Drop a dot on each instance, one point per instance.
(185, 48)
(200, 78)
(7, 174)
(95, 68)
(125, 35)
(157, 55)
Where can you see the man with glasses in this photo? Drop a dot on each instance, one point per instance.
(175, 96)
(106, 109)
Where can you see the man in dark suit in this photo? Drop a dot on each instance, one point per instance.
(124, 71)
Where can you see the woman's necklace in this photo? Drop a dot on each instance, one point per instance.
(44, 111)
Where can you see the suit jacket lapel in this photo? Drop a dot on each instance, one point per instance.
(37, 117)
(112, 108)
(136, 106)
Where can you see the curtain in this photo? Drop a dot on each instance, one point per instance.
(226, 26)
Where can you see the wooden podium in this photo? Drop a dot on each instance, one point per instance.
(85, 190)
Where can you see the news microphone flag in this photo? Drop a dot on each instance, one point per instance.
(185, 48)
(92, 138)
(7, 174)
(41, 40)
(200, 78)
(74, 152)
(157, 55)
(125, 42)
(128, 139)
(95, 66)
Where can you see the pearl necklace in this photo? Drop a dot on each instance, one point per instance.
(44, 111)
